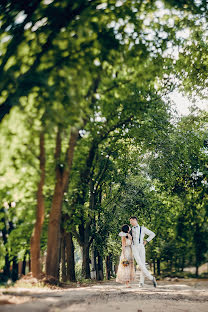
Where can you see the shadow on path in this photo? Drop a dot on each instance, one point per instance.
(110, 296)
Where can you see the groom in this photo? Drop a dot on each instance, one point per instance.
(138, 249)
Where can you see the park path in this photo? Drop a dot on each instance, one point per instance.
(176, 295)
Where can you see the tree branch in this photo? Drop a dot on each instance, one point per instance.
(101, 173)
(120, 123)
(76, 235)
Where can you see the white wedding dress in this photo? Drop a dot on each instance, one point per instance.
(126, 274)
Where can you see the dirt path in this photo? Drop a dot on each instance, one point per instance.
(182, 295)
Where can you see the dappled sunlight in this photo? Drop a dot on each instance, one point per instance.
(109, 296)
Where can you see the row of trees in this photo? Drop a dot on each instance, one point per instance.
(88, 137)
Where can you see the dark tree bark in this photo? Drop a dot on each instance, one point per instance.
(171, 264)
(36, 235)
(70, 258)
(53, 247)
(197, 270)
(63, 259)
(182, 263)
(108, 266)
(198, 246)
(94, 268)
(154, 266)
(100, 275)
(24, 264)
(85, 261)
(176, 264)
(29, 262)
(14, 274)
(158, 266)
(6, 268)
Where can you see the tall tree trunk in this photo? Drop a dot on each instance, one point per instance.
(84, 241)
(14, 274)
(111, 265)
(94, 271)
(6, 268)
(53, 247)
(62, 179)
(29, 263)
(70, 258)
(63, 258)
(158, 266)
(24, 264)
(171, 264)
(197, 244)
(108, 266)
(176, 264)
(36, 235)
(100, 275)
(197, 270)
(85, 261)
(154, 266)
(182, 263)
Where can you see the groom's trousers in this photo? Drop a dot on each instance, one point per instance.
(139, 255)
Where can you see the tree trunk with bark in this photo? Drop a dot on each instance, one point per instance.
(14, 274)
(63, 258)
(158, 266)
(29, 263)
(108, 266)
(100, 275)
(6, 268)
(14, 260)
(62, 178)
(70, 258)
(94, 271)
(176, 264)
(85, 261)
(182, 263)
(154, 266)
(197, 245)
(36, 235)
(24, 264)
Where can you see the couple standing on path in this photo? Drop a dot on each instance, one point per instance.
(133, 248)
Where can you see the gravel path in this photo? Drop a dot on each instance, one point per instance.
(181, 295)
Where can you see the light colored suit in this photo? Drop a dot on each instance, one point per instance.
(138, 249)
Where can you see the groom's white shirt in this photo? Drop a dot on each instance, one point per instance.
(136, 232)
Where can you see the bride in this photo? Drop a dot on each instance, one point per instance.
(126, 272)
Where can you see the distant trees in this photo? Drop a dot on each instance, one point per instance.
(180, 165)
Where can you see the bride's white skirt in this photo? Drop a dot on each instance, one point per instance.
(126, 274)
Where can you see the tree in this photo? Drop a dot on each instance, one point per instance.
(179, 163)
(36, 236)
(62, 178)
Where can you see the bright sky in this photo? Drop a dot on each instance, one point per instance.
(182, 103)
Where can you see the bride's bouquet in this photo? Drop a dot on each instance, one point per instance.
(125, 262)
